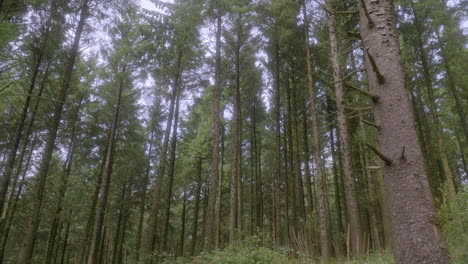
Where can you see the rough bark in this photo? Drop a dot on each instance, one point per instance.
(417, 237)
(27, 244)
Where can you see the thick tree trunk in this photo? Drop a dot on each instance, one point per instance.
(210, 225)
(322, 180)
(27, 244)
(350, 187)
(106, 178)
(416, 235)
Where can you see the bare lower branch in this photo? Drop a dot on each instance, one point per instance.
(374, 98)
(380, 155)
(366, 13)
(370, 124)
(380, 77)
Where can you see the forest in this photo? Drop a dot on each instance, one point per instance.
(233, 131)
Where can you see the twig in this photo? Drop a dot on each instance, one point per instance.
(6, 86)
(380, 155)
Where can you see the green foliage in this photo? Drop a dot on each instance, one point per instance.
(454, 219)
(244, 252)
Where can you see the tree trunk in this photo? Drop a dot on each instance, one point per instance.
(433, 107)
(144, 191)
(210, 223)
(278, 168)
(416, 235)
(197, 207)
(219, 196)
(63, 186)
(170, 175)
(27, 244)
(153, 217)
(322, 181)
(106, 178)
(182, 222)
(350, 188)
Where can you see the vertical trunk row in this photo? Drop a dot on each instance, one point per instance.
(27, 244)
(416, 235)
(322, 180)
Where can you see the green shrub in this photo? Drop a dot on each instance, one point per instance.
(454, 220)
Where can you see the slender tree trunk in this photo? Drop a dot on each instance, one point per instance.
(63, 186)
(258, 173)
(322, 191)
(182, 221)
(106, 178)
(350, 188)
(196, 209)
(416, 235)
(170, 175)
(219, 197)
(433, 107)
(14, 202)
(150, 241)
(299, 184)
(119, 224)
(11, 158)
(26, 142)
(277, 176)
(143, 188)
(235, 212)
(65, 242)
(306, 159)
(27, 244)
(210, 214)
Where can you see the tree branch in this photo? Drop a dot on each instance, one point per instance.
(380, 155)
(366, 13)
(370, 124)
(380, 77)
(374, 98)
